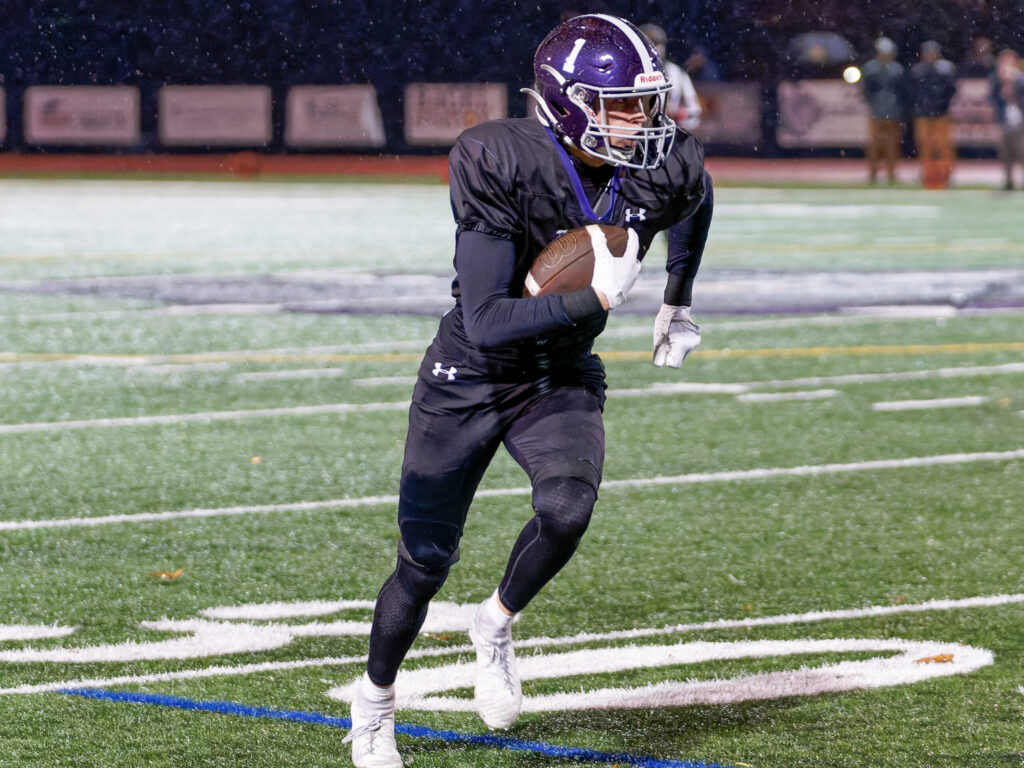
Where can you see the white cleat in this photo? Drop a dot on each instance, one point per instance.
(499, 694)
(373, 735)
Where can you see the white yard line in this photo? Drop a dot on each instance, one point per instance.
(689, 479)
(774, 397)
(923, 405)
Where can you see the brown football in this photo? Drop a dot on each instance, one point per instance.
(567, 263)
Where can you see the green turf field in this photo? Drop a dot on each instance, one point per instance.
(815, 559)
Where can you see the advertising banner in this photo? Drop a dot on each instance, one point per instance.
(215, 115)
(82, 115)
(730, 113)
(974, 114)
(821, 113)
(436, 113)
(333, 116)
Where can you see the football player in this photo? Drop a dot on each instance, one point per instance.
(519, 372)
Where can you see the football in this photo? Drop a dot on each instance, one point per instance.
(567, 263)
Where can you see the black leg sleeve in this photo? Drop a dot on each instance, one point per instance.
(563, 506)
(401, 608)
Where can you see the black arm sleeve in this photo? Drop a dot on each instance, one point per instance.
(686, 241)
(493, 318)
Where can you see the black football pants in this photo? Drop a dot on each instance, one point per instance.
(459, 417)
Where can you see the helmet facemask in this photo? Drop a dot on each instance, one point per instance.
(634, 144)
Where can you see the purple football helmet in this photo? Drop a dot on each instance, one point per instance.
(593, 64)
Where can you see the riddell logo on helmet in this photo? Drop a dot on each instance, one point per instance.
(647, 79)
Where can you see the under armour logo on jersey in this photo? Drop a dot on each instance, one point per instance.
(639, 215)
(449, 372)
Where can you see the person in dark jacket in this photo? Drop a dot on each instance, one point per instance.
(933, 82)
(884, 84)
(1007, 82)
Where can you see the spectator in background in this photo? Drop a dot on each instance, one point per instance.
(980, 60)
(1008, 95)
(700, 68)
(934, 84)
(884, 84)
(683, 105)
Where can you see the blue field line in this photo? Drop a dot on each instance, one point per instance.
(576, 754)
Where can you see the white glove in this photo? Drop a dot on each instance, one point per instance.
(614, 275)
(675, 336)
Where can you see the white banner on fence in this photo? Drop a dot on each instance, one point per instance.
(436, 113)
(82, 115)
(730, 113)
(821, 113)
(333, 116)
(215, 115)
(974, 114)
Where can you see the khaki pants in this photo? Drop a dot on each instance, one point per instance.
(934, 138)
(1011, 150)
(884, 138)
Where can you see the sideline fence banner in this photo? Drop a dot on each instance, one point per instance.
(730, 113)
(436, 113)
(974, 114)
(215, 115)
(333, 116)
(821, 113)
(82, 115)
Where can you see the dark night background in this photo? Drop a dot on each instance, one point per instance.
(279, 43)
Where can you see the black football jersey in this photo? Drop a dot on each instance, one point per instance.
(511, 179)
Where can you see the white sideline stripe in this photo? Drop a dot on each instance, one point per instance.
(919, 405)
(867, 378)
(184, 418)
(700, 477)
(682, 388)
(535, 642)
(862, 315)
(772, 397)
(385, 381)
(304, 373)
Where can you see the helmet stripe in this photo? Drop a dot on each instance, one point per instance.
(634, 38)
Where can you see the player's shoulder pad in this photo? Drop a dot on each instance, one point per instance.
(684, 166)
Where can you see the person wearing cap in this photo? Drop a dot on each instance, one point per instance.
(683, 104)
(884, 84)
(933, 81)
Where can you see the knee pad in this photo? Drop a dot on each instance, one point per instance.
(564, 506)
(421, 581)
